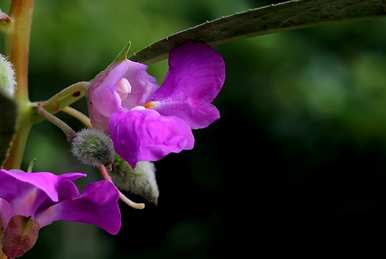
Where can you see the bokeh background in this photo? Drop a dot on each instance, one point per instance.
(296, 161)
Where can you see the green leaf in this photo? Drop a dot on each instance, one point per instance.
(123, 54)
(264, 20)
(66, 97)
(8, 117)
(140, 181)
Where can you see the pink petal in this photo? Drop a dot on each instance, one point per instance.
(97, 205)
(196, 76)
(142, 84)
(104, 97)
(145, 135)
(26, 192)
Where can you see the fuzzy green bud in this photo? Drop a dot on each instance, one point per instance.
(141, 180)
(93, 147)
(7, 76)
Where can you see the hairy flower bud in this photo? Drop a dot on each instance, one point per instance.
(20, 236)
(93, 147)
(140, 181)
(7, 76)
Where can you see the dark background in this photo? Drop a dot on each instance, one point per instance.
(296, 162)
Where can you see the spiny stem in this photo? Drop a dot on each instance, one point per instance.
(67, 130)
(104, 173)
(78, 115)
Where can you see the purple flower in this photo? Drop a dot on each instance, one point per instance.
(46, 197)
(147, 122)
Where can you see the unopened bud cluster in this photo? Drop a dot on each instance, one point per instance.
(93, 147)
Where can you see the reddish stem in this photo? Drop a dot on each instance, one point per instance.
(105, 174)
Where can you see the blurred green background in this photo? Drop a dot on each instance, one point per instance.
(300, 146)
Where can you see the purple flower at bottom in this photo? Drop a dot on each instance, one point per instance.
(46, 197)
(147, 122)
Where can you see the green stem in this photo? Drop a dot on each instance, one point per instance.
(67, 130)
(15, 154)
(18, 39)
(61, 100)
(78, 115)
(66, 97)
(31, 165)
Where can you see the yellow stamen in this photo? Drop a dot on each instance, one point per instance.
(149, 105)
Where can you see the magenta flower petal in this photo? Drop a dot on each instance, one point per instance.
(97, 205)
(103, 98)
(121, 86)
(142, 84)
(145, 135)
(44, 181)
(46, 197)
(26, 192)
(196, 76)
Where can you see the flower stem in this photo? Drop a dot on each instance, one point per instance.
(66, 97)
(102, 169)
(105, 174)
(18, 39)
(78, 115)
(67, 130)
(16, 151)
(61, 100)
(70, 133)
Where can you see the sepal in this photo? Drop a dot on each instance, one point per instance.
(20, 236)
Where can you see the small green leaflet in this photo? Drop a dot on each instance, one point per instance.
(264, 20)
(8, 115)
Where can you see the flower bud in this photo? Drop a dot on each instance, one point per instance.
(7, 76)
(93, 147)
(140, 181)
(20, 236)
